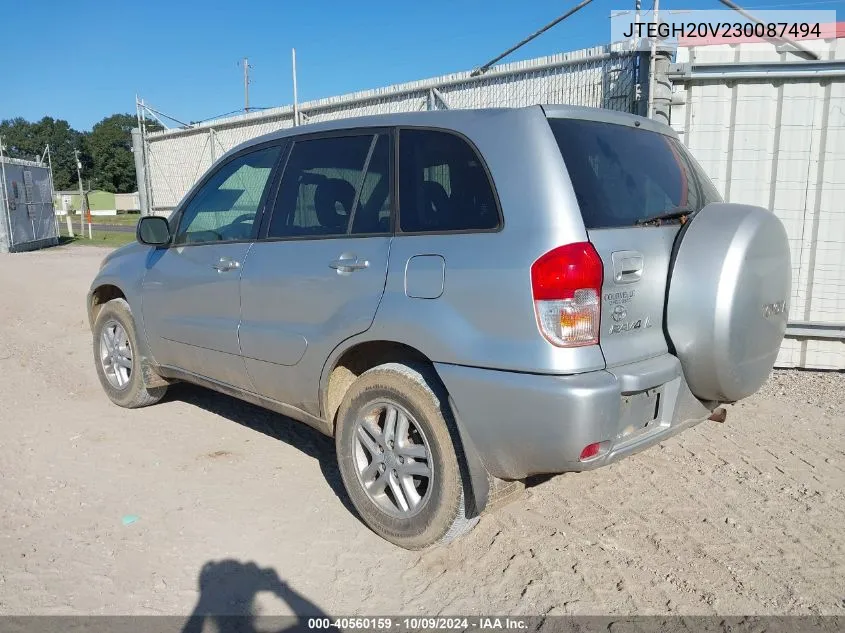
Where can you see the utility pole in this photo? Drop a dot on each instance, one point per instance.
(638, 5)
(295, 105)
(246, 83)
(81, 193)
(49, 156)
(651, 62)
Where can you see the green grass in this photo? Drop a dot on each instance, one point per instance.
(100, 238)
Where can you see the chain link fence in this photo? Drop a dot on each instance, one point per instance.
(605, 77)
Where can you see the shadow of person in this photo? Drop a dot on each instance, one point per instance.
(279, 427)
(227, 593)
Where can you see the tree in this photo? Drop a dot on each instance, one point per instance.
(110, 145)
(26, 140)
(105, 152)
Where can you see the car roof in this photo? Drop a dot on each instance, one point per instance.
(607, 116)
(459, 118)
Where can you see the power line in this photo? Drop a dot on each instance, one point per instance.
(801, 50)
(166, 116)
(238, 111)
(794, 4)
(484, 68)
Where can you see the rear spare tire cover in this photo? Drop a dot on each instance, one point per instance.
(727, 304)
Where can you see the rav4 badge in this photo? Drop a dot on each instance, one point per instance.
(639, 324)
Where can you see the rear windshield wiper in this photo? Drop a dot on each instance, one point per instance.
(669, 214)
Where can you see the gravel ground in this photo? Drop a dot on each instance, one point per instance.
(109, 511)
(800, 387)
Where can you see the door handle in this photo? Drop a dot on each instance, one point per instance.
(627, 266)
(349, 264)
(225, 264)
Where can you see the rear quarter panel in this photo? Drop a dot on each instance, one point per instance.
(485, 315)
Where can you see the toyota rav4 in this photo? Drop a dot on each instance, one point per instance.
(462, 299)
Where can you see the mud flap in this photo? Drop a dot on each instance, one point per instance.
(472, 470)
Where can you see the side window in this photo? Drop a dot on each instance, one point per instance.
(373, 212)
(333, 184)
(443, 185)
(225, 207)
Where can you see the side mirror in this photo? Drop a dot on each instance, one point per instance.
(153, 230)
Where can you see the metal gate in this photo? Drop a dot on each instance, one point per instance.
(26, 206)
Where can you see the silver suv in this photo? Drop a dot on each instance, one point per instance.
(462, 299)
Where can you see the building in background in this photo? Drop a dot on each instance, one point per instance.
(127, 202)
(102, 202)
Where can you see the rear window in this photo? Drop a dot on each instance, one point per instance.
(622, 174)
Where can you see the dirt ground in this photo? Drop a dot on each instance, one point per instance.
(109, 511)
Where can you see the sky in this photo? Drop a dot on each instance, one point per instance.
(84, 60)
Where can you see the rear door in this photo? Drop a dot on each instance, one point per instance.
(317, 274)
(624, 175)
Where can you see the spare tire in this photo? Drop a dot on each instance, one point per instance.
(728, 299)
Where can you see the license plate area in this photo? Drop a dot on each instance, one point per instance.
(641, 413)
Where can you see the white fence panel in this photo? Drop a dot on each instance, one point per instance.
(779, 144)
(600, 77)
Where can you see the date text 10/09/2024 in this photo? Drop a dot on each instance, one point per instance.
(419, 623)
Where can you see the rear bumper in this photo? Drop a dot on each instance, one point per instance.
(525, 424)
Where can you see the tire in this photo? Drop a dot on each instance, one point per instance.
(416, 392)
(128, 389)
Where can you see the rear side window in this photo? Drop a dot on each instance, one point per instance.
(622, 174)
(443, 185)
(334, 186)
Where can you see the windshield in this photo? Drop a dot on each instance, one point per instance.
(622, 175)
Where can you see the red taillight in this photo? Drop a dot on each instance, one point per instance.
(590, 451)
(566, 284)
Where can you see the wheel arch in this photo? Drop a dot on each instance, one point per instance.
(350, 361)
(101, 295)
(353, 358)
(107, 291)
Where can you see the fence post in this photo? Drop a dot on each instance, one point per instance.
(641, 89)
(6, 236)
(140, 170)
(661, 101)
(5, 232)
(52, 188)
